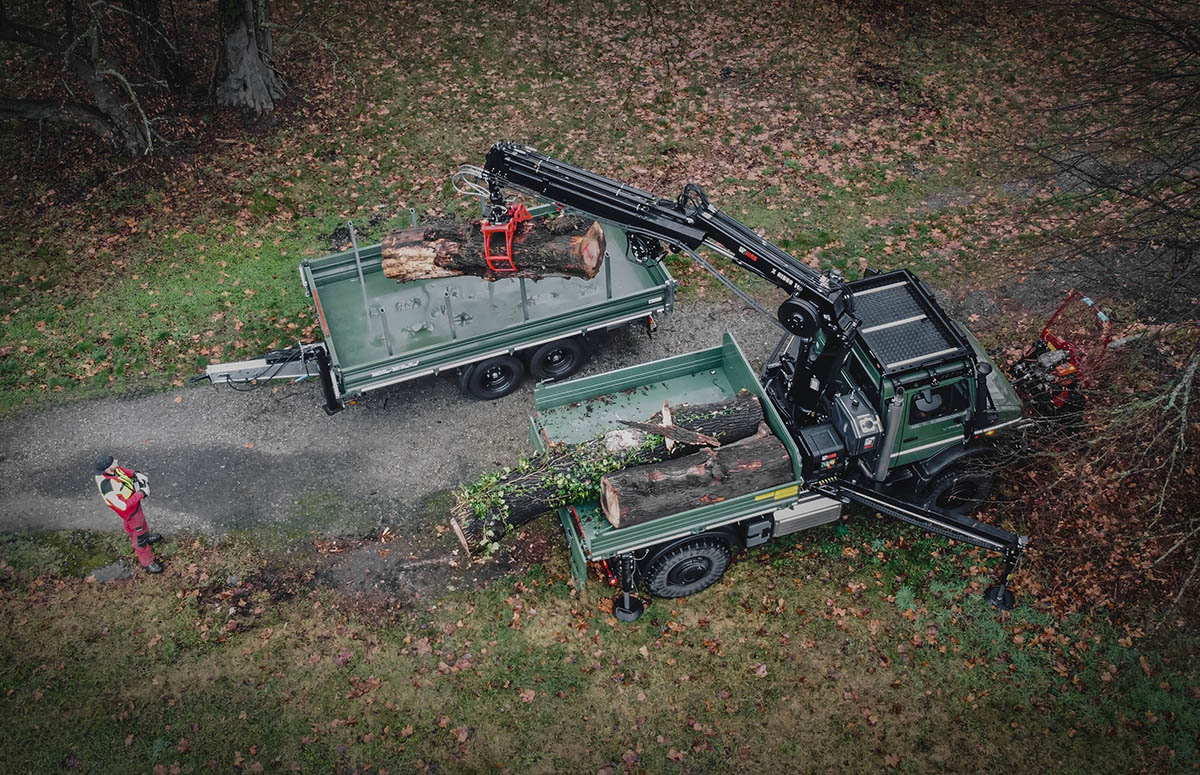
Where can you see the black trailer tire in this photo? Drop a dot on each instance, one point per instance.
(494, 378)
(557, 360)
(959, 490)
(689, 568)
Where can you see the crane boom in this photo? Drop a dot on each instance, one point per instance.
(820, 307)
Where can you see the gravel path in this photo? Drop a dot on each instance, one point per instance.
(221, 460)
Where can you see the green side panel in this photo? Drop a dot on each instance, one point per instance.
(921, 440)
(582, 409)
(578, 561)
(448, 322)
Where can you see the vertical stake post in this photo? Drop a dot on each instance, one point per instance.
(626, 607)
(450, 316)
(387, 335)
(362, 284)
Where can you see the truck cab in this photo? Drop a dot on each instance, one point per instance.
(916, 399)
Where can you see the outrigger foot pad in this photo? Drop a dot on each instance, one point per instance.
(628, 608)
(999, 596)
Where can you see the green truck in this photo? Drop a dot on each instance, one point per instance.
(879, 397)
(379, 332)
(681, 554)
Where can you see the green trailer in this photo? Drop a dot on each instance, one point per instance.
(379, 332)
(698, 543)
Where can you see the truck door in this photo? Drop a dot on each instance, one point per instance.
(934, 417)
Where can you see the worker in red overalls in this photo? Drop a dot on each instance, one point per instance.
(123, 491)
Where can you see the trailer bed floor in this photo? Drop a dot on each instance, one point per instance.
(417, 316)
(578, 422)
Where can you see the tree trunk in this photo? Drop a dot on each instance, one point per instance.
(63, 113)
(159, 55)
(246, 70)
(639, 494)
(110, 119)
(561, 246)
(565, 474)
(130, 132)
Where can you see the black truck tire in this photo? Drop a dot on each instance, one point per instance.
(493, 378)
(557, 360)
(959, 490)
(689, 568)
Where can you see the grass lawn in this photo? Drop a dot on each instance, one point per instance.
(858, 648)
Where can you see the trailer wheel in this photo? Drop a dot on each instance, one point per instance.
(557, 360)
(960, 490)
(494, 378)
(689, 568)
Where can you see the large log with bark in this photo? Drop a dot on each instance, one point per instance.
(563, 474)
(566, 246)
(641, 493)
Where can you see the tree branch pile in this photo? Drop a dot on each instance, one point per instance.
(1112, 503)
(500, 501)
(1111, 498)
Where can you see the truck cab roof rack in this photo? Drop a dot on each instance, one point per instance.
(903, 327)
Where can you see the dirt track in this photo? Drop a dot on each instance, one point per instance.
(221, 460)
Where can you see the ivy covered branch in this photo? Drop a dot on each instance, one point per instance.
(499, 501)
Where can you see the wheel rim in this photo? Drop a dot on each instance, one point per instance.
(963, 495)
(689, 571)
(496, 378)
(558, 361)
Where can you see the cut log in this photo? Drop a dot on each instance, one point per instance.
(674, 433)
(641, 493)
(566, 246)
(496, 503)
